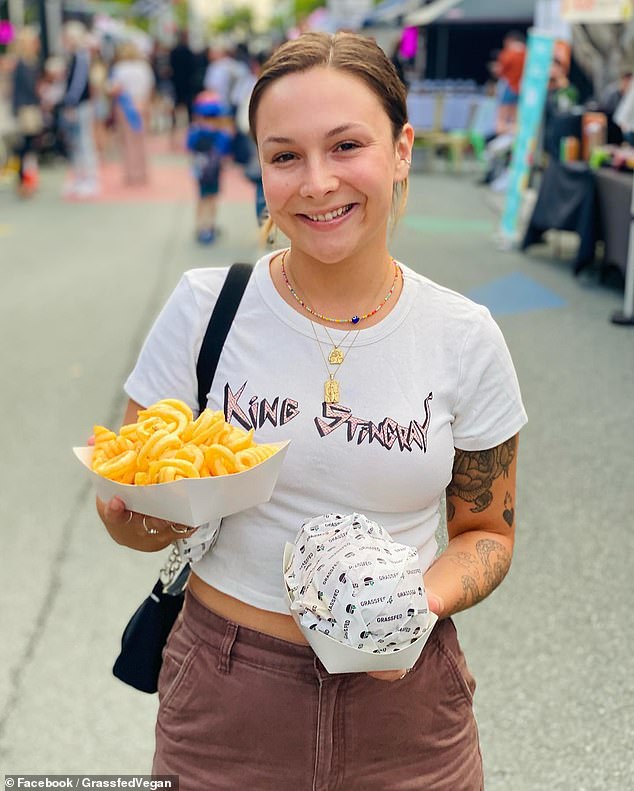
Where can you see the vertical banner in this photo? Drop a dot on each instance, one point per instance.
(533, 90)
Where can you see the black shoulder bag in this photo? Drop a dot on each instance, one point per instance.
(143, 639)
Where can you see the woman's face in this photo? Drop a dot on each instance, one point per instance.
(329, 162)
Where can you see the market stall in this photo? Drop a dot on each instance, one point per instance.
(592, 202)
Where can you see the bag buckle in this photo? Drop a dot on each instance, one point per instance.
(174, 573)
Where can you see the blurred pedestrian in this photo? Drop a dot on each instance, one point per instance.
(101, 103)
(224, 71)
(209, 139)
(27, 108)
(163, 97)
(251, 161)
(183, 67)
(52, 90)
(77, 114)
(509, 68)
(131, 85)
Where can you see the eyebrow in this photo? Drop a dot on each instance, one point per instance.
(331, 133)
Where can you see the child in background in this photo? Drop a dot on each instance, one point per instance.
(209, 139)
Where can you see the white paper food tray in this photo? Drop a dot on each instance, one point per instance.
(339, 658)
(193, 501)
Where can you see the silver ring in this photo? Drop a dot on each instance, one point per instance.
(151, 531)
(179, 531)
(129, 519)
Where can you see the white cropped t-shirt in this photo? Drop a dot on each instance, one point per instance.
(434, 374)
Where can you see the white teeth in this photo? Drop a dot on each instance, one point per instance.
(329, 215)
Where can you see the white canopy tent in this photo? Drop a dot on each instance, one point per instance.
(429, 13)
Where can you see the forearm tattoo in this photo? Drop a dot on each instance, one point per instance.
(483, 572)
(473, 475)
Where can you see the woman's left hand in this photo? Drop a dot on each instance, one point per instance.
(389, 675)
(435, 605)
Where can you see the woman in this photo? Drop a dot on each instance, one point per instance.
(132, 85)
(27, 108)
(244, 703)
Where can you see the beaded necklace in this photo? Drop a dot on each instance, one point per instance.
(355, 319)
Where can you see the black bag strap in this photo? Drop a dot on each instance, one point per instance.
(218, 328)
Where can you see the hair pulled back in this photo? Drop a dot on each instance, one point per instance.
(348, 52)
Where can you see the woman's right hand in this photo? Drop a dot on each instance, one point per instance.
(139, 531)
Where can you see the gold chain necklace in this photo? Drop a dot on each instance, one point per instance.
(332, 390)
(336, 356)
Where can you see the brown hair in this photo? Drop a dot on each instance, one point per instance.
(353, 54)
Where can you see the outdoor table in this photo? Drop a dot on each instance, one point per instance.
(566, 202)
(614, 195)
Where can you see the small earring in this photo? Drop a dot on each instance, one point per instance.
(404, 159)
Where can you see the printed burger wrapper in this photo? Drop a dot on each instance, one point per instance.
(357, 595)
(193, 501)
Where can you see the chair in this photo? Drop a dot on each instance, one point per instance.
(452, 131)
(425, 112)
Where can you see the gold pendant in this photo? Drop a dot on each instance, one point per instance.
(331, 391)
(336, 356)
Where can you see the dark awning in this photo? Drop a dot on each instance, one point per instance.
(471, 11)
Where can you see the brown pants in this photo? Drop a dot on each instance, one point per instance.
(241, 710)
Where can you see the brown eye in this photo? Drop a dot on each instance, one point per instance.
(347, 146)
(281, 158)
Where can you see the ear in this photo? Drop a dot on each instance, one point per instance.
(403, 152)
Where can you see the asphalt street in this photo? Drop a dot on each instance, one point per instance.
(81, 284)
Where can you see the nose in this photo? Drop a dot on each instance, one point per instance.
(318, 179)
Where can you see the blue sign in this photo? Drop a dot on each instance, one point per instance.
(533, 90)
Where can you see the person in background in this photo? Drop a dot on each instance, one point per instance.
(163, 99)
(610, 100)
(131, 85)
(509, 68)
(223, 72)
(77, 114)
(251, 162)
(100, 100)
(183, 66)
(209, 139)
(624, 114)
(561, 97)
(424, 414)
(26, 107)
(52, 90)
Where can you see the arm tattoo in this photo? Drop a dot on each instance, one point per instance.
(473, 475)
(487, 571)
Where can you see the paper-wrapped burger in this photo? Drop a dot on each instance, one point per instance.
(357, 594)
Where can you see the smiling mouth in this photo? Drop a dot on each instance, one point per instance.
(330, 215)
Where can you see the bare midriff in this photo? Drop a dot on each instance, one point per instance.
(273, 623)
